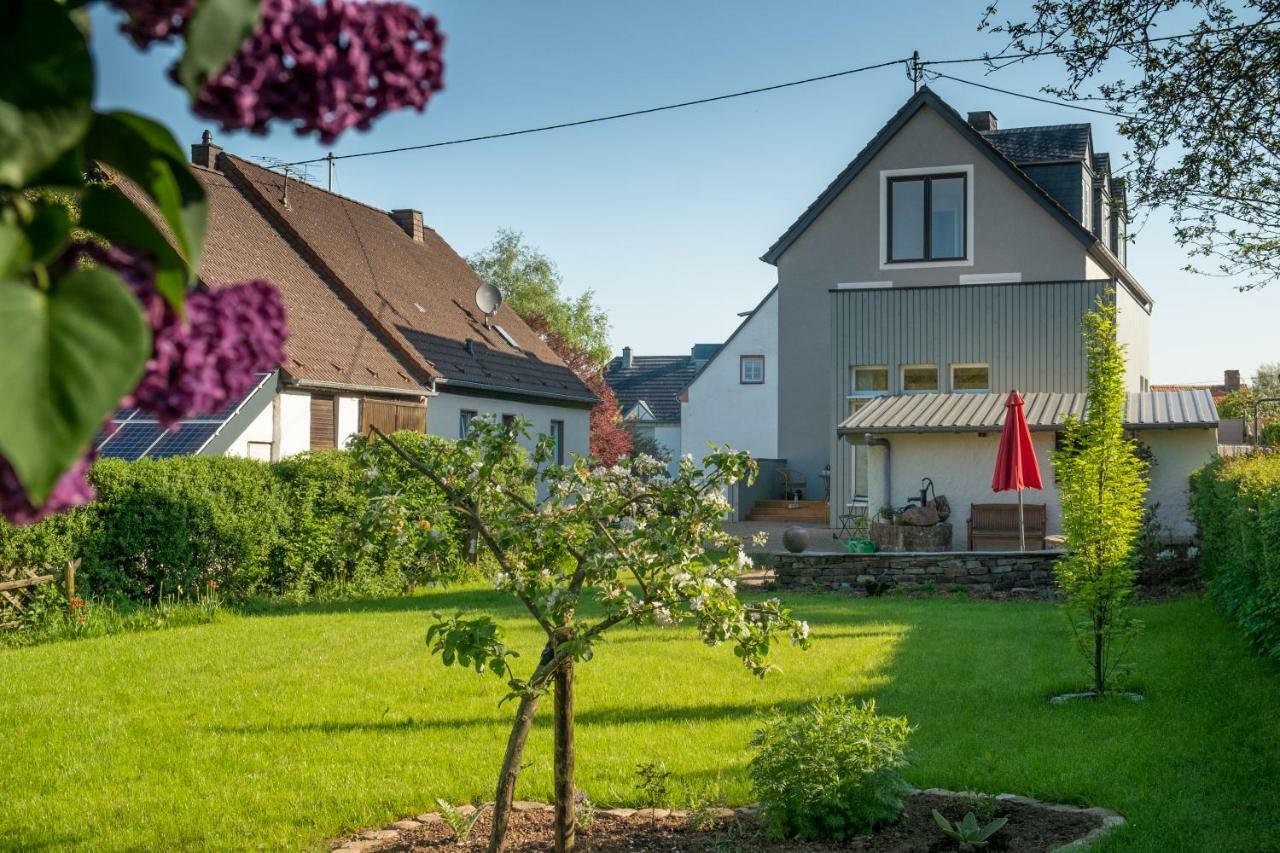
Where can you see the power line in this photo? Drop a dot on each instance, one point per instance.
(1052, 101)
(612, 117)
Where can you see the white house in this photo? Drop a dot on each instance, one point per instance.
(384, 329)
(733, 398)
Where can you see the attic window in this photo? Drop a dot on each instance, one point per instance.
(927, 216)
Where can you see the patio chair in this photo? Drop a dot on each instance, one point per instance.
(855, 521)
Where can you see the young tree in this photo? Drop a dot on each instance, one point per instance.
(643, 546)
(1101, 485)
(1202, 112)
(530, 284)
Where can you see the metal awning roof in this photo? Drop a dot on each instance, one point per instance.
(1044, 411)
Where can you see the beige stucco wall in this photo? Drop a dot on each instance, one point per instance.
(1011, 234)
(961, 465)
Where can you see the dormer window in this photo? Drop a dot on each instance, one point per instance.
(926, 216)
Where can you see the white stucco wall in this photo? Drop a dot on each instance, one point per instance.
(443, 418)
(1133, 329)
(349, 419)
(961, 465)
(254, 442)
(721, 409)
(295, 422)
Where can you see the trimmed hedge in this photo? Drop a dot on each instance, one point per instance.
(300, 528)
(1236, 503)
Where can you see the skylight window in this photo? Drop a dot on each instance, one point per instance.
(506, 336)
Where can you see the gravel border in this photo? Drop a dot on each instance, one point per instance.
(372, 839)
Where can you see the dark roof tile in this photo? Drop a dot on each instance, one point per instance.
(657, 380)
(1044, 144)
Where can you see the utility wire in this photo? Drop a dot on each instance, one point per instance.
(1042, 100)
(612, 117)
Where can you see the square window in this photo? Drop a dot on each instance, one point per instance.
(920, 378)
(464, 422)
(870, 380)
(970, 378)
(751, 370)
(927, 218)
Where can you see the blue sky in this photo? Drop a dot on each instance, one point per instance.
(665, 216)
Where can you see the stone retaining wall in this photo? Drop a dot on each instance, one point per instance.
(977, 572)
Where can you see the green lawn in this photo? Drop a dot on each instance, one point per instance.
(282, 729)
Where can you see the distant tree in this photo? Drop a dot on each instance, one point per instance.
(1237, 404)
(1266, 382)
(644, 442)
(1202, 113)
(1101, 485)
(530, 284)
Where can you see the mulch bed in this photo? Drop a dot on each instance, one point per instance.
(1032, 827)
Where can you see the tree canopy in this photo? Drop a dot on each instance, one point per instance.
(1201, 112)
(530, 283)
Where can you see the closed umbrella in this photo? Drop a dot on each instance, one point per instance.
(1016, 466)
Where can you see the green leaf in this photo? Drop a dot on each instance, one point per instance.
(106, 212)
(46, 86)
(49, 230)
(67, 358)
(15, 251)
(214, 34)
(147, 154)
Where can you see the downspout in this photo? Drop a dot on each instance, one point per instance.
(872, 441)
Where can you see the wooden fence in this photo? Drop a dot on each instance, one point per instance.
(17, 586)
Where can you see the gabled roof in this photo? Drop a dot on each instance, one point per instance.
(724, 346)
(927, 98)
(329, 341)
(420, 296)
(914, 413)
(655, 380)
(1057, 143)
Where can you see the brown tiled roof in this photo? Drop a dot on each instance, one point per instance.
(422, 295)
(328, 340)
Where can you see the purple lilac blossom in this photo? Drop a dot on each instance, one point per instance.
(323, 65)
(208, 359)
(72, 489)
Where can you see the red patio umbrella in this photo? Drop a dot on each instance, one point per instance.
(1016, 466)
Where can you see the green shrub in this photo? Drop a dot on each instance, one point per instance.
(831, 771)
(181, 525)
(1236, 504)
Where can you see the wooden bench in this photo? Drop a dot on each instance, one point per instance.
(1000, 521)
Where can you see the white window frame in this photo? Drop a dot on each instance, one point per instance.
(855, 394)
(743, 360)
(902, 378)
(885, 175)
(963, 364)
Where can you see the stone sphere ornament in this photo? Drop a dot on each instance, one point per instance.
(795, 539)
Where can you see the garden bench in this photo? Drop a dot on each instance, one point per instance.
(1000, 521)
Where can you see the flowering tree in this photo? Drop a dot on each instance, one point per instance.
(1101, 484)
(100, 302)
(644, 546)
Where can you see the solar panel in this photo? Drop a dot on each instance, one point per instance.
(132, 440)
(187, 438)
(138, 434)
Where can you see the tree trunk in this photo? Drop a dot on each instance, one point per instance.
(566, 823)
(510, 771)
(1098, 685)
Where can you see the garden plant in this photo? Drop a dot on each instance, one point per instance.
(642, 545)
(1101, 484)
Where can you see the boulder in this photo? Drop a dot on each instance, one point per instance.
(920, 516)
(942, 506)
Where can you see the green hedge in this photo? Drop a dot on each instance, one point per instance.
(301, 528)
(1236, 503)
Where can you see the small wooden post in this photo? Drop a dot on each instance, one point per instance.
(566, 821)
(69, 578)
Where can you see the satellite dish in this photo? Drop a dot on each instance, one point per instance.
(488, 298)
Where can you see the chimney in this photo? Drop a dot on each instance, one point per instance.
(1231, 380)
(206, 153)
(626, 358)
(410, 221)
(983, 121)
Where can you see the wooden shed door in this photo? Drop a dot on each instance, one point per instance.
(392, 415)
(323, 422)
